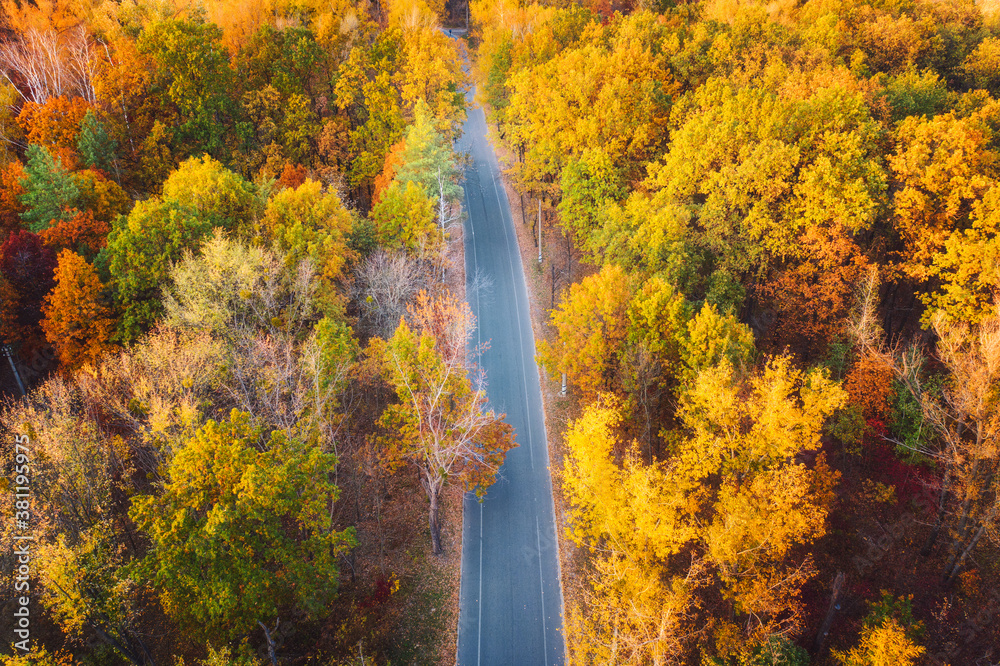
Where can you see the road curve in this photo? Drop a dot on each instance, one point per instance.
(510, 608)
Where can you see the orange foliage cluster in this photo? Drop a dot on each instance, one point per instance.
(55, 125)
(292, 175)
(392, 163)
(76, 322)
(869, 386)
(812, 298)
(83, 233)
(10, 193)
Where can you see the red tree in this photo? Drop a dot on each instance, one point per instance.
(27, 268)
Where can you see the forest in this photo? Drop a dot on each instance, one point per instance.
(229, 283)
(232, 283)
(774, 230)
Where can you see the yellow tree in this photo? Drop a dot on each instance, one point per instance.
(884, 645)
(731, 500)
(432, 71)
(592, 326)
(311, 222)
(611, 92)
(77, 323)
(206, 186)
(441, 423)
(967, 269)
(941, 167)
(632, 517)
(888, 636)
(404, 218)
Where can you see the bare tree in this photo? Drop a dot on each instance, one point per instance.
(49, 64)
(384, 284)
(964, 416)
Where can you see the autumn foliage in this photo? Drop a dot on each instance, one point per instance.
(77, 322)
(186, 218)
(726, 186)
(82, 233)
(770, 233)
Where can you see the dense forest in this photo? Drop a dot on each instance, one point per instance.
(229, 283)
(780, 221)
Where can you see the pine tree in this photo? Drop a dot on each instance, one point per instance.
(96, 148)
(50, 191)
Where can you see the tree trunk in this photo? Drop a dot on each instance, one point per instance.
(824, 630)
(959, 554)
(435, 525)
(957, 560)
(271, 647)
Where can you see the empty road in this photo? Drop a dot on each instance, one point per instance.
(511, 601)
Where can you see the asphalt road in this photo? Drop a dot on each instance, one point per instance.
(511, 600)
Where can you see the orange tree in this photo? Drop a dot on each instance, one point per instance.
(76, 323)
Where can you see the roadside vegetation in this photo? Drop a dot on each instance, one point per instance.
(231, 282)
(770, 237)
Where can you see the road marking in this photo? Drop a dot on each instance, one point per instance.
(479, 339)
(527, 404)
(475, 260)
(520, 295)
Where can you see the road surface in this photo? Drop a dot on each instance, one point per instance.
(511, 601)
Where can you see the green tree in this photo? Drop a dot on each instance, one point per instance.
(50, 191)
(242, 529)
(194, 76)
(96, 147)
(141, 248)
(365, 91)
(427, 159)
(288, 59)
(498, 63)
(588, 184)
